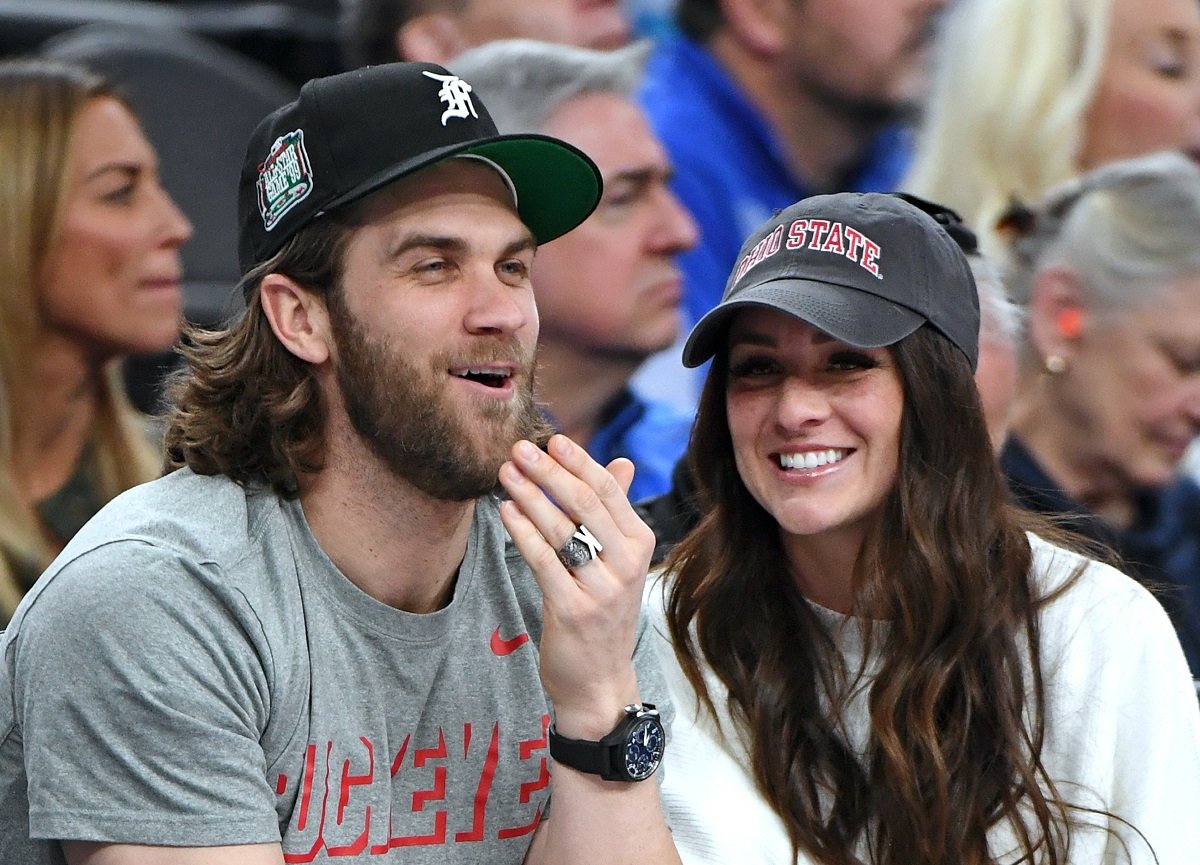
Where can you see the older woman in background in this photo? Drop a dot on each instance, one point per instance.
(89, 272)
(1028, 93)
(1109, 390)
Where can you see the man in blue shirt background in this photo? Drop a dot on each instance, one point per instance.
(760, 105)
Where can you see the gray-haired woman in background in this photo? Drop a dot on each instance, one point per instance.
(1108, 397)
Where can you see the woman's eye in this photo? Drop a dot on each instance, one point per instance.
(1169, 61)
(849, 360)
(752, 366)
(1173, 70)
(1184, 365)
(121, 195)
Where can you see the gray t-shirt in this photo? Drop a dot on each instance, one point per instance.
(193, 670)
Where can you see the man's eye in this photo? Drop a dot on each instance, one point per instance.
(620, 199)
(515, 267)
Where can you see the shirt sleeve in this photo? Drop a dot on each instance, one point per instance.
(651, 683)
(141, 691)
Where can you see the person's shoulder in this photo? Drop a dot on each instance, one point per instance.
(1094, 609)
(198, 516)
(672, 58)
(683, 84)
(155, 538)
(662, 415)
(1181, 499)
(666, 428)
(654, 596)
(1061, 574)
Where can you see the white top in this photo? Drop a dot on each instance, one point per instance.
(1122, 731)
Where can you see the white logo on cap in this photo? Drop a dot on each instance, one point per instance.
(456, 93)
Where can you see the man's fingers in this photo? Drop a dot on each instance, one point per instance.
(611, 488)
(546, 516)
(554, 579)
(563, 487)
(622, 469)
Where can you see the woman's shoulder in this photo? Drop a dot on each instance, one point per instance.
(1059, 572)
(1091, 609)
(655, 592)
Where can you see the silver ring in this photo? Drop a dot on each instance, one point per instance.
(579, 549)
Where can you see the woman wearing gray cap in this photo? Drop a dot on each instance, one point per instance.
(875, 656)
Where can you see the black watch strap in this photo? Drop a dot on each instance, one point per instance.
(606, 757)
(582, 754)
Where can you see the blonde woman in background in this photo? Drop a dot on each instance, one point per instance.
(89, 272)
(1028, 93)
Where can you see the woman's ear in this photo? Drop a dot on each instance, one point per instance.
(1057, 317)
(297, 316)
(434, 37)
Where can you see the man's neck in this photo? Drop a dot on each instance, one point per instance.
(395, 542)
(821, 144)
(576, 387)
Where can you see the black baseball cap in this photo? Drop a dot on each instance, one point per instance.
(866, 268)
(349, 134)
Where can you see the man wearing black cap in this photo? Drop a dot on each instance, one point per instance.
(314, 640)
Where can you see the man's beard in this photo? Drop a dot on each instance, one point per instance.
(404, 416)
(869, 112)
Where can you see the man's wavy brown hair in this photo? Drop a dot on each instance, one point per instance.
(956, 706)
(244, 406)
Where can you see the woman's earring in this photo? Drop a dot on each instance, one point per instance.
(1055, 364)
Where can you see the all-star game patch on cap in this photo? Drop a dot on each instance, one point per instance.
(865, 268)
(350, 134)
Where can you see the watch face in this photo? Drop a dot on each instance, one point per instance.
(644, 748)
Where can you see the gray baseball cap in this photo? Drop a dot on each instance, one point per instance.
(866, 268)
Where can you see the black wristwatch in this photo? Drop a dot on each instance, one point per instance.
(631, 752)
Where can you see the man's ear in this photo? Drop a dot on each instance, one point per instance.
(297, 316)
(760, 26)
(434, 37)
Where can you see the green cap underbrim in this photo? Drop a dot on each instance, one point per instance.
(557, 185)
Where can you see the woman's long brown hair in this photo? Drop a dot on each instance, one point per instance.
(956, 705)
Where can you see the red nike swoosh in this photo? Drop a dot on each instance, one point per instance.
(502, 647)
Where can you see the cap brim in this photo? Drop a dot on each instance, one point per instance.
(558, 186)
(848, 314)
